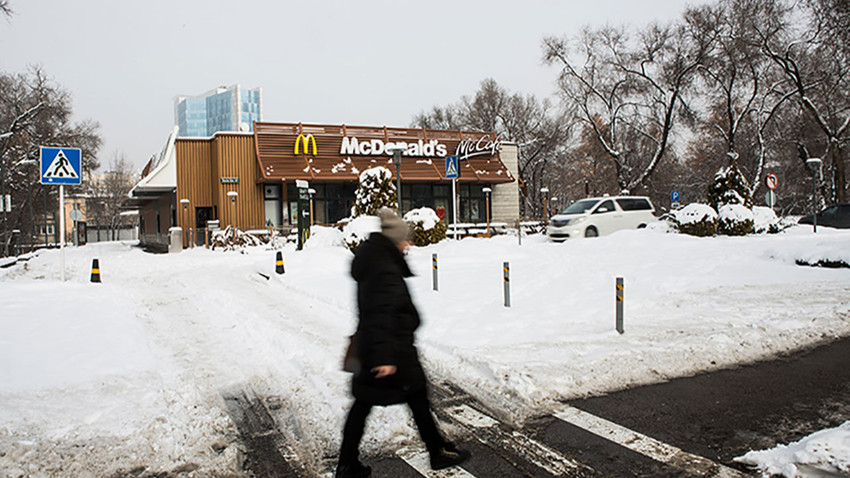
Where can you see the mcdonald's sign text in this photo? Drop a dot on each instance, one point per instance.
(375, 147)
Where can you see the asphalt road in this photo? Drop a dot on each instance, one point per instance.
(691, 426)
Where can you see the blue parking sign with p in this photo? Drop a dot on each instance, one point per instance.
(674, 196)
(61, 166)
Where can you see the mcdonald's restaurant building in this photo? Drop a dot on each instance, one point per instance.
(248, 180)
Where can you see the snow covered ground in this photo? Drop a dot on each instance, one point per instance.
(129, 374)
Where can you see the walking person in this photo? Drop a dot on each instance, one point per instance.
(390, 372)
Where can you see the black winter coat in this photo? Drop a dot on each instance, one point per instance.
(388, 320)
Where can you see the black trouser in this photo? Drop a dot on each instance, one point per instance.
(356, 422)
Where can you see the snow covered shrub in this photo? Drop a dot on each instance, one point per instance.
(322, 236)
(729, 187)
(735, 220)
(358, 230)
(232, 238)
(425, 226)
(376, 190)
(696, 220)
(765, 220)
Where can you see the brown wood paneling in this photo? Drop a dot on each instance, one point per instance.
(233, 157)
(194, 179)
(276, 158)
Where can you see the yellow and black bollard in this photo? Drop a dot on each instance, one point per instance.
(95, 270)
(620, 294)
(279, 263)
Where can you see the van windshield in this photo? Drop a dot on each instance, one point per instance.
(580, 207)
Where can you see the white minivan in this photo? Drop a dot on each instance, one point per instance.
(599, 216)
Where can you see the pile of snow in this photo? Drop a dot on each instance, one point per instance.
(824, 453)
(130, 374)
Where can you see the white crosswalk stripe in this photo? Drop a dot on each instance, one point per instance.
(647, 446)
(487, 430)
(419, 460)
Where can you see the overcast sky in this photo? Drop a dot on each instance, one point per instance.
(358, 62)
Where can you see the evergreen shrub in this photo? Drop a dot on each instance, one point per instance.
(696, 220)
(425, 226)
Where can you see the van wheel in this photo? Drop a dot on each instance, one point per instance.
(591, 232)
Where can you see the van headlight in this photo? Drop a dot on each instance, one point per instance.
(578, 220)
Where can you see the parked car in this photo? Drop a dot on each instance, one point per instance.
(837, 216)
(600, 216)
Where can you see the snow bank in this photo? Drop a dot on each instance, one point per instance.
(129, 374)
(825, 453)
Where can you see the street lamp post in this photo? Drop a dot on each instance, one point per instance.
(397, 150)
(815, 166)
(545, 192)
(487, 208)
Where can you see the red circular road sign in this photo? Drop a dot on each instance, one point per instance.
(771, 181)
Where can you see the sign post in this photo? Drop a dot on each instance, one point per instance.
(452, 172)
(674, 199)
(303, 212)
(61, 166)
(771, 181)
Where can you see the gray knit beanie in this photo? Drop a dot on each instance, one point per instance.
(393, 226)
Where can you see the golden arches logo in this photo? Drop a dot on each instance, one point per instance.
(308, 141)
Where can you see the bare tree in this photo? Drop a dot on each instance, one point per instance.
(108, 191)
(627, 88)
(536, 127)
(818, 72)
(35, 112)
(5, 8)
(738, 89)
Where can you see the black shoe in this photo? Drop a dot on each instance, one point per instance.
(448, 455)
(357, 470)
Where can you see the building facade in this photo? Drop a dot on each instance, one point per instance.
(248, 180)
(223, 109)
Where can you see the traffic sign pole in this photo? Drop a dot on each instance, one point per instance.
(452, 172)
(62, 232)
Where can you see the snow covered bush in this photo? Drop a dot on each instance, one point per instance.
(323, 236)
(729, 187)
(231, 239)
(425, 226)
(696, 220)
(356, 231)
(735, 220)
(376, 190)
(765, 220)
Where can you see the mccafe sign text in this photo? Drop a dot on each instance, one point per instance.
(467, 148)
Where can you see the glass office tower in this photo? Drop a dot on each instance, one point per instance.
(223, 109)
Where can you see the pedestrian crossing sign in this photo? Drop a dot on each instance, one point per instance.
(451, 167)
(61, 166)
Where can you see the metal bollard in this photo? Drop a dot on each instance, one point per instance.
(507, 268)
(95, 270)
(619, 293)
(434, 266)
(279, 263)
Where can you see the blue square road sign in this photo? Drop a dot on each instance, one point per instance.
(451, 167)
(674, 196)
(61, 165)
